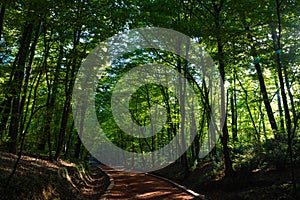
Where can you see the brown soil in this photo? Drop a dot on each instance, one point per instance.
(41, 179)
(141, 186)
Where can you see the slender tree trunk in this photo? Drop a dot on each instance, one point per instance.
(69, 82)
(233, 117)
(69, 141)
(284, 96)
(2, 13)
(52, 94)
(80, 131)
(23, 135)
(182, 88)
(169, 119)
(234, 110)
(5, 112)
(225, 135)
(77, 148)
(288, 87)
(6, 104)
(262, 85)
(262, 116)
(249, 110)
(28, 74)
(17, 87)
(279, 107)
(265, 96)
(63, 126)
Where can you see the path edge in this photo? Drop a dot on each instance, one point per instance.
(189, 191)
(110, 186)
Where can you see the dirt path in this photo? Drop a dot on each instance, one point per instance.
(141, 186)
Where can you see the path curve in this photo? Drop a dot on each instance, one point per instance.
(125, 186)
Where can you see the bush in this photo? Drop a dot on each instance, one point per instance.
(275, 153)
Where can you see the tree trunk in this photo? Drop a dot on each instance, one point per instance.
(284, 97)
(249, 111)
(25, 131)
(279, 107)
(52, 92)
(5, 112)
(234, 110)
(17, 84)
(265, 96)
(28, 74)
(225, 136)
(262, 85)
(63, 125)
(233, 116)
(69, 82)
(69, 141)
(80, 131)
(2, 13)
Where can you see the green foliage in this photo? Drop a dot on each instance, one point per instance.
(275, 153)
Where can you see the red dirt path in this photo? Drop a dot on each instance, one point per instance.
(142, 186)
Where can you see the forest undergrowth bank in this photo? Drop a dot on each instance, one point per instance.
(37, 178)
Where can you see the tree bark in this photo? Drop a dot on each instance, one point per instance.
(225, 136)
(69, 82)
(28, 74)
(2, 13)
(262, 85)
(17, 84)
(80, 131)
(52, 93)
(264, 93)
(233, 115)
(279, 107)
(284, 96)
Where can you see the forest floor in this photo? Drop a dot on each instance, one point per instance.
(40, 179)
(261, 184)
(37, 178)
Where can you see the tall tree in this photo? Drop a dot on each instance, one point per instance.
(278, 48)
(2, 13)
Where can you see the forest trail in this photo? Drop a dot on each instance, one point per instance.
(125, 185)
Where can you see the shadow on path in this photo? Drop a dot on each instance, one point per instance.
(142, 186)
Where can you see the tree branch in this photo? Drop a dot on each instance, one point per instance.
(206, 7)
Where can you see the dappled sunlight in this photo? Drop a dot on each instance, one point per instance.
(67, 164)
(142, 186)
(151, 194)
(50, 180)
(49, 193)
